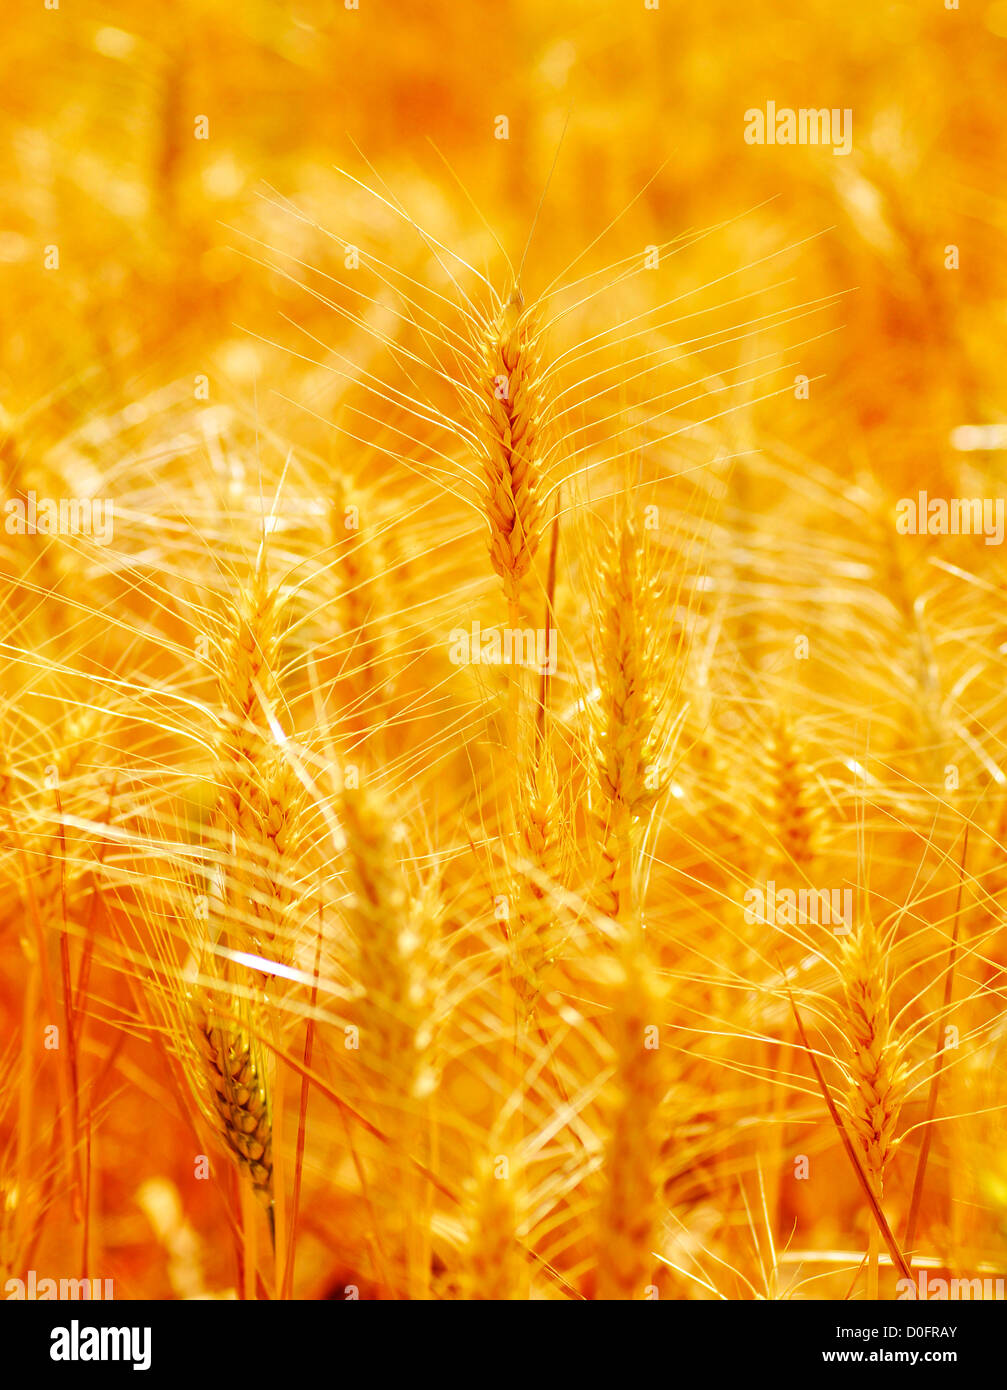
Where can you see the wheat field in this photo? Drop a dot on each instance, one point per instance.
(498, 802)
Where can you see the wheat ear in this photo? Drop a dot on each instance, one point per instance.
(534, 942)
(877, 1077)
(627, 736)
(628, 1210)
(494, 1268)
(274, 894)
(259, 799)
(796, 815)
(238, 1099)
(361, 571)
(394, 934)
(393, 937)
(876, 1073)
(798, 812)
(511, 427)
(246, 677)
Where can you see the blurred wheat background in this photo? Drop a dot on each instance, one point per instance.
(339, 963)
